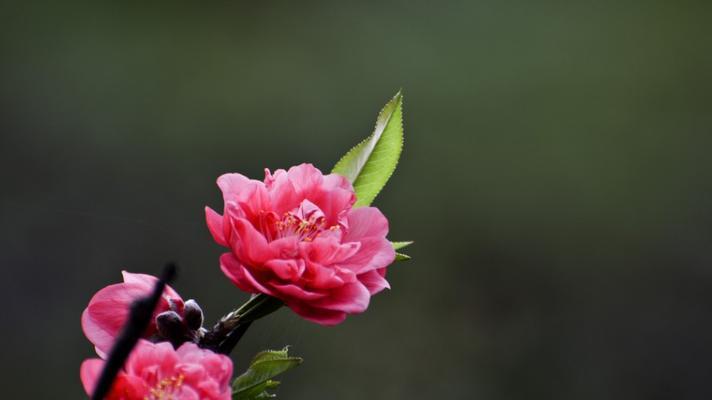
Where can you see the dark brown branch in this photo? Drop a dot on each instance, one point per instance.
(227, 332)
(233, 338)
(135, 326)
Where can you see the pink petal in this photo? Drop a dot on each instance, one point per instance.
(336, 181)
(253, 247)
(240, 276)
(89, 373)
(366, 222)
(318, 315)
(151, 356)
(286, 247)
(107, 311)
(375, 253)
(215, 226)
(335, 203)
(329, 250)
(143, 281)
(291, 291)
(283, 196)
(147, 282)
(235, 187)
(374, 280)
(188, 393)
(321, 277)
(308, 210)
(286, 269)
(351, 298)
(101, 338)
(251, 195)
(305, 178)
(217, 366)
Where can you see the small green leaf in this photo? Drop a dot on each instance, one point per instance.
(370, 164)
(400, 245)
(402, 257)
(253, 384)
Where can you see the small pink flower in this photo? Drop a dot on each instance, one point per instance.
(103, 319)
(296, 237)
(157, 371)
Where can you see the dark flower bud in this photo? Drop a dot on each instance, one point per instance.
(193, 315)
(170, 326)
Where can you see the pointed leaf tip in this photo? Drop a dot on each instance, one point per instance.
(402, 257)
(370, 164)
(400, 245)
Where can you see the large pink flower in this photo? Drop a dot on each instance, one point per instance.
(103, 319)
(157, 371)
(296, 237)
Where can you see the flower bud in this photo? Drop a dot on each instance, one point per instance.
(170, 326)
(193, 315)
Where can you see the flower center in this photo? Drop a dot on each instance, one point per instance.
(166, 389)
(306, 229)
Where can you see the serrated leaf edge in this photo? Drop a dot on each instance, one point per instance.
(398, 98)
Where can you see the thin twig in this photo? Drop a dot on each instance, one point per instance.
(223, 337)
(233, 338)
(135, 326)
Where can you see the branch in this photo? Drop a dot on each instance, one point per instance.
(225, 334)
(135, 326)
(233, 338)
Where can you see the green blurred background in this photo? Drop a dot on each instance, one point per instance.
(556, 179)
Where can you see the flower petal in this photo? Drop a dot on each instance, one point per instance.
(375, 280)
(322, 277)
(366, 222)
(240, 275)
(235, 187)
(335, 203)
(147, 282)
(305, 178)
(89, 373)
(283, 196)
(330, 250)
(107, 311)
(215, 226)
(375, 253)
(336, 181)
(286, 269)
(318, 315)
(291, 291)
(249, 194)
(249, 244)
(351, 298)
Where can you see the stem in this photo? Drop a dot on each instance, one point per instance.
(135, 326)
(227, 332)
(233, 337)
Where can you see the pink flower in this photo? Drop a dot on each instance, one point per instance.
(157, 371)
(296, 237)
(103, 319)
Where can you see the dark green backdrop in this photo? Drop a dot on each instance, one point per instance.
(556, 178)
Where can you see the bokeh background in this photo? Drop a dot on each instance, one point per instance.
(556, 179)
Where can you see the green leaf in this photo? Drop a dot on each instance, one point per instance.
(370, 164)
(255, 382)
(402, 257)
(400, 245)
